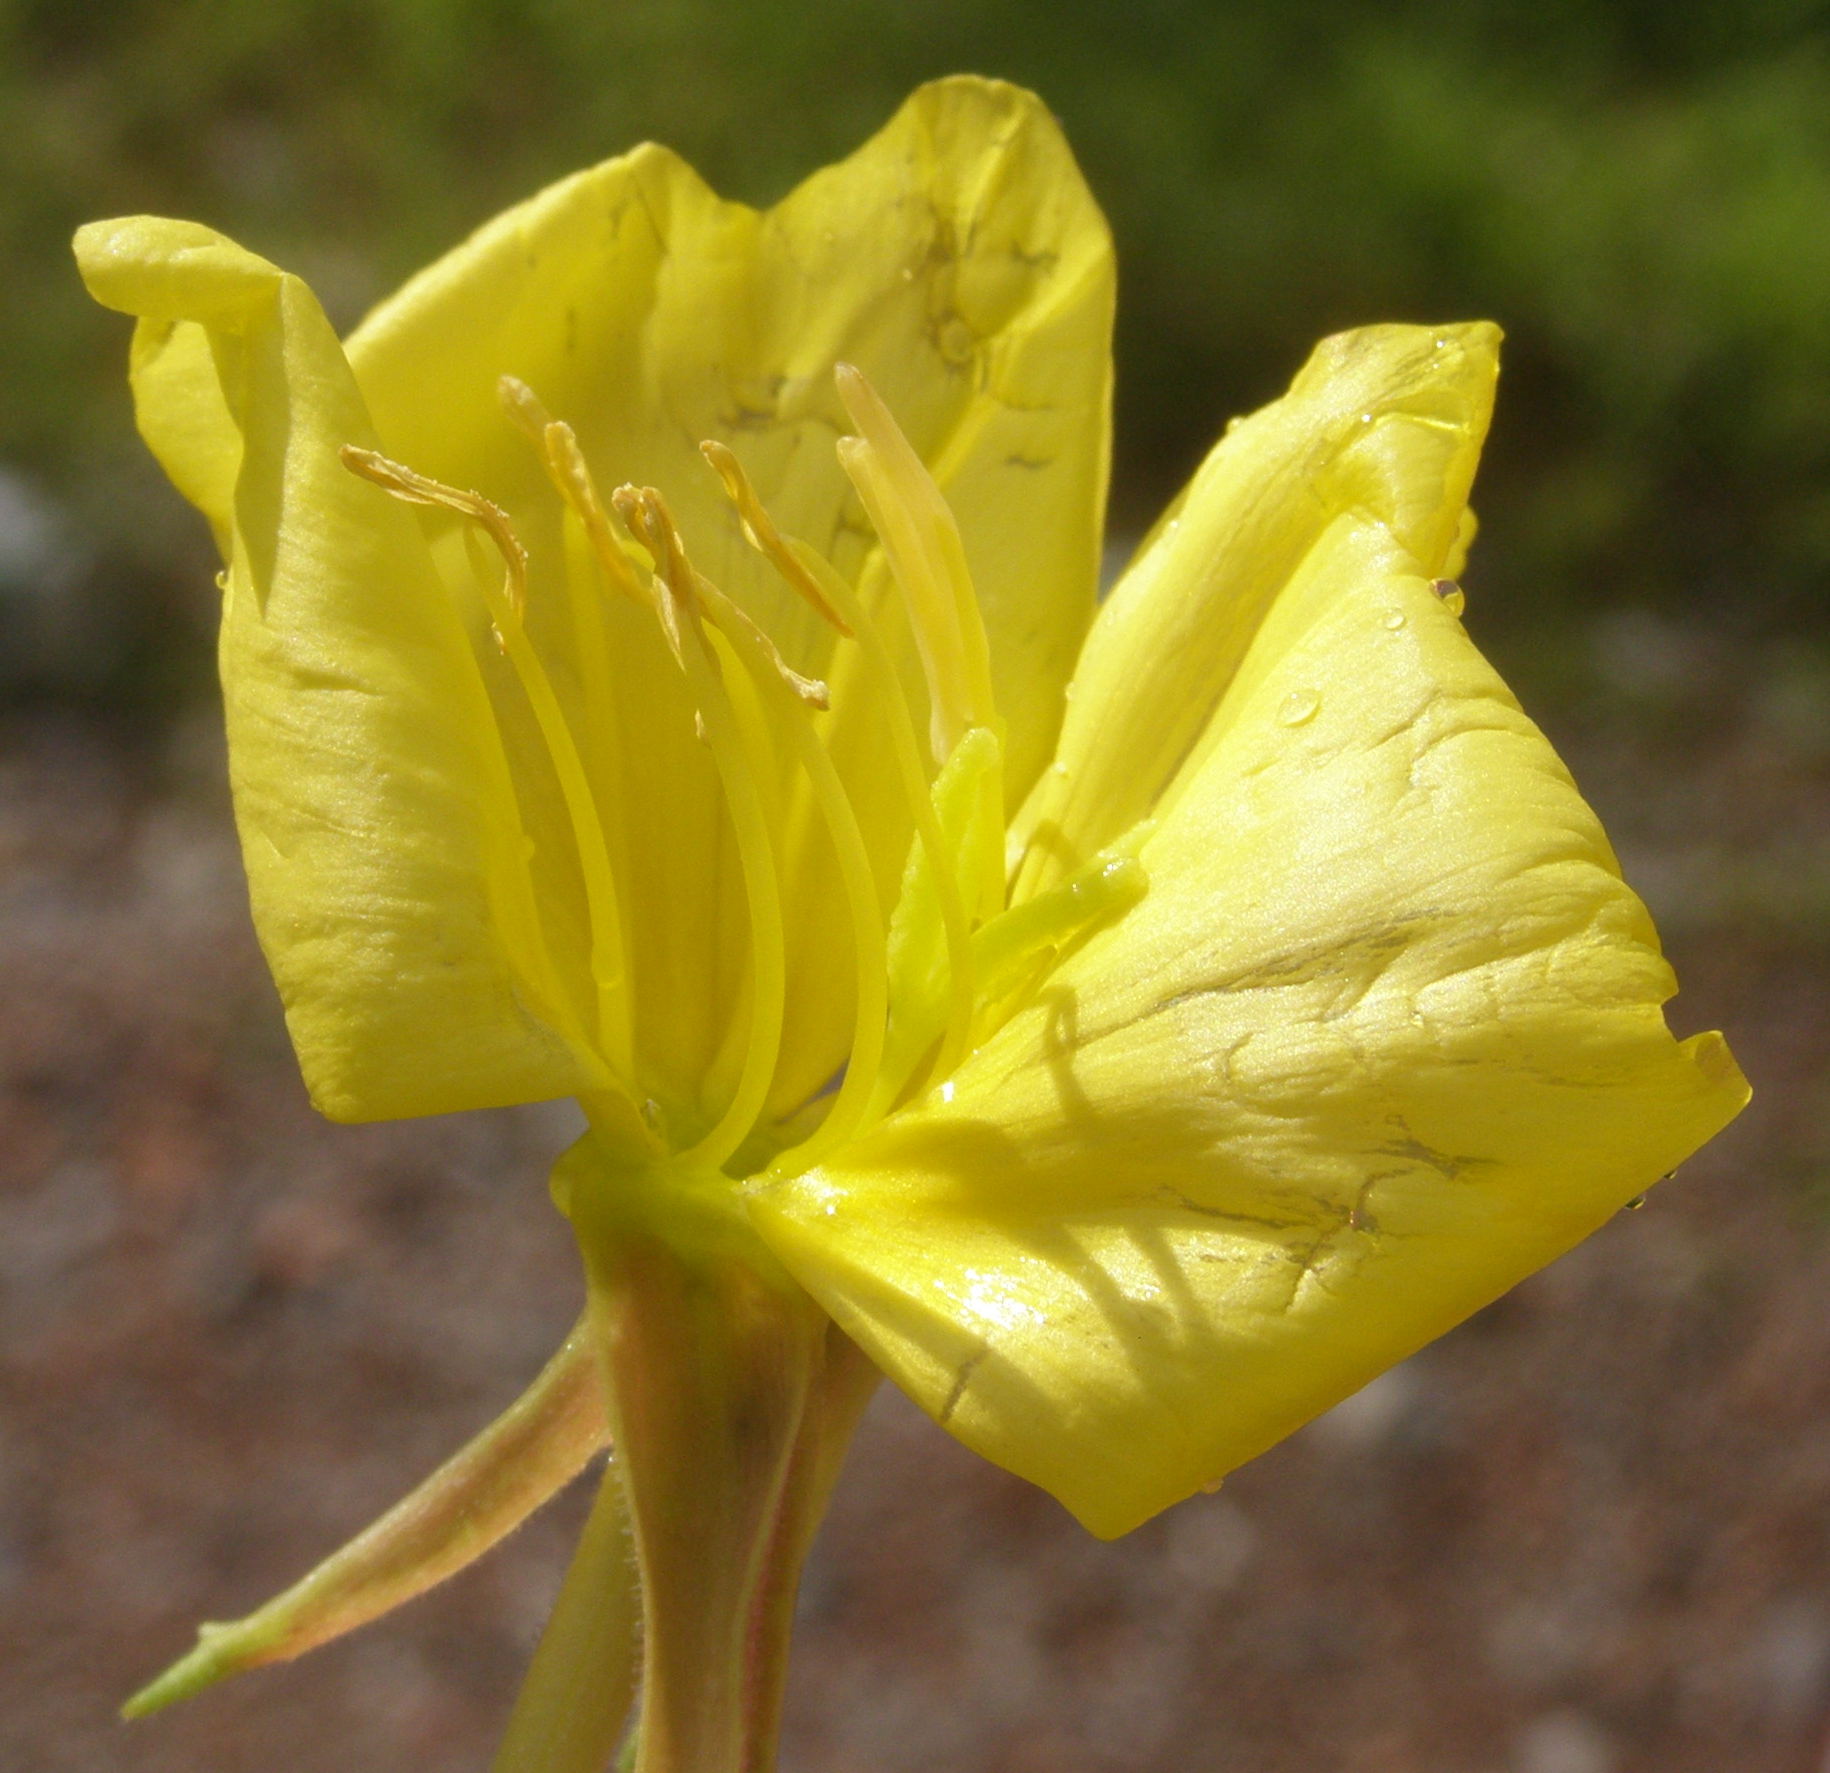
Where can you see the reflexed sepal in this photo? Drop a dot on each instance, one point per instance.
(537, 1445)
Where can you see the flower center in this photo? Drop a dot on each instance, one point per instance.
(914, 975)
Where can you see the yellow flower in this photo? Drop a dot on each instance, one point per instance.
(1298, 1011)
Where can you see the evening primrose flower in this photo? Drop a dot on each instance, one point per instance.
(661, 665)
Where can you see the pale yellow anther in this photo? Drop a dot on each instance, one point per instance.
(671, 591)
(760, 532)
(524, 406)
(572, 475)
(926, 557)
(731, 620)
(418, 489)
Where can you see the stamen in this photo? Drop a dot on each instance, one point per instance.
(556, 444)
(572, 475)
(803, 566)
(760, 532)
(922, 544)
(524, 407)
(760, 659)
(729, 618)
(417, 489)
(628, 501)
(649, 520)
(507, 605)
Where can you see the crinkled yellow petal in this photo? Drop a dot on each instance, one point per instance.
(1383, 1037)
(958, 259)
(1387, 420)
(384, 857)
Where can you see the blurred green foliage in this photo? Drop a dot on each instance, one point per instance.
(1638, 191)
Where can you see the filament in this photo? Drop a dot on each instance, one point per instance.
(809, 573)
(872, 1007)
(507, 603)
(651, 524)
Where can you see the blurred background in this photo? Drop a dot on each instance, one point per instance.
(1588, 1533)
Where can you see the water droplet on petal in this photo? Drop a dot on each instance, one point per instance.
(1393, 619)
(1633, 1206)
(1213, 1488)
(1366, 418)
(1451, 594)
(1298, 706)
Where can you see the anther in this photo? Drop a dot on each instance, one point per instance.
(760, 532)
(418, 489)
(523, 405)
(572, 475)
(727, 615)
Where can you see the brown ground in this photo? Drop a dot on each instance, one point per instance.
(1588, 1533)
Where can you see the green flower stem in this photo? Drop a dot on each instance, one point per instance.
(731, 1397)
(575, 1701)
(841, 1388)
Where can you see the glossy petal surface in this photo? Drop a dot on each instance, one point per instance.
(1387, 420)
(1383, 1037)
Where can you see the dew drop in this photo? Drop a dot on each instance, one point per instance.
(1451, 594)
(1213, 1488)
(1633, 1206)
(1393, 619)
(1298, 706)
(1366, 418)
(945, 1091)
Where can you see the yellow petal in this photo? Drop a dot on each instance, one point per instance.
(1383, 1037)
(384, 858)
(958, 259)
(1387, 420)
